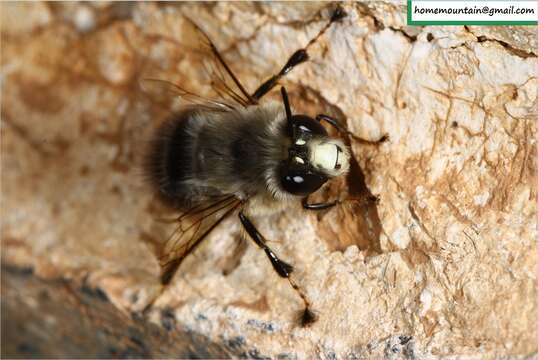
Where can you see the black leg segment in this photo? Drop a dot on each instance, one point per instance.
(318, 206)
(332, 121)
(297, 58)
(336, 124)
(282, 268)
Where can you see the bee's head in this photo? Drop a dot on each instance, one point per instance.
(313, 157)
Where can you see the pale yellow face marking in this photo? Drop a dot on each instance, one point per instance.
(325, 156)
(330, 156)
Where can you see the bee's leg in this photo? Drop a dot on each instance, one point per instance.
(334, 123)
(328, 205)
(282, 268)
(318, 206)
(297, 58)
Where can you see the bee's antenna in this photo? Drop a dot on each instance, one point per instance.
(286, 102)
(287, 107)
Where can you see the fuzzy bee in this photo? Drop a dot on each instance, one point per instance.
(236, 155)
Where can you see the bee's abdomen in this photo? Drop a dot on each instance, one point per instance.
(169, 160)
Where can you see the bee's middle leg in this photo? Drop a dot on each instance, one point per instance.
(281, 267)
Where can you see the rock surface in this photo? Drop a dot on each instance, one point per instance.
(55, 319)
(445, 264)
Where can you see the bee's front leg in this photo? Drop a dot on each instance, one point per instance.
(322, 206)
(336, 124)
(318, 206)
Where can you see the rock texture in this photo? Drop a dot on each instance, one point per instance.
(55, 319)
(445, 264)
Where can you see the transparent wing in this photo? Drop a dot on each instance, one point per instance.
(162, 90)
(193, 225)
(228, 91)
(223, 80)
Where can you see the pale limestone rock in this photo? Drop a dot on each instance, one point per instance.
(444, 265)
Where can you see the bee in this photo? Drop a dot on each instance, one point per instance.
(237, 155)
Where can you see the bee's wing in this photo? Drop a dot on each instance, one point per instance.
(228, 91)
(223, 80)
(162, 90)
(193, 225)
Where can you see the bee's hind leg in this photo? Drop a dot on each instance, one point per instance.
(282, 268)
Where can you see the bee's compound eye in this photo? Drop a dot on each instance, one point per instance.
(302, 183)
